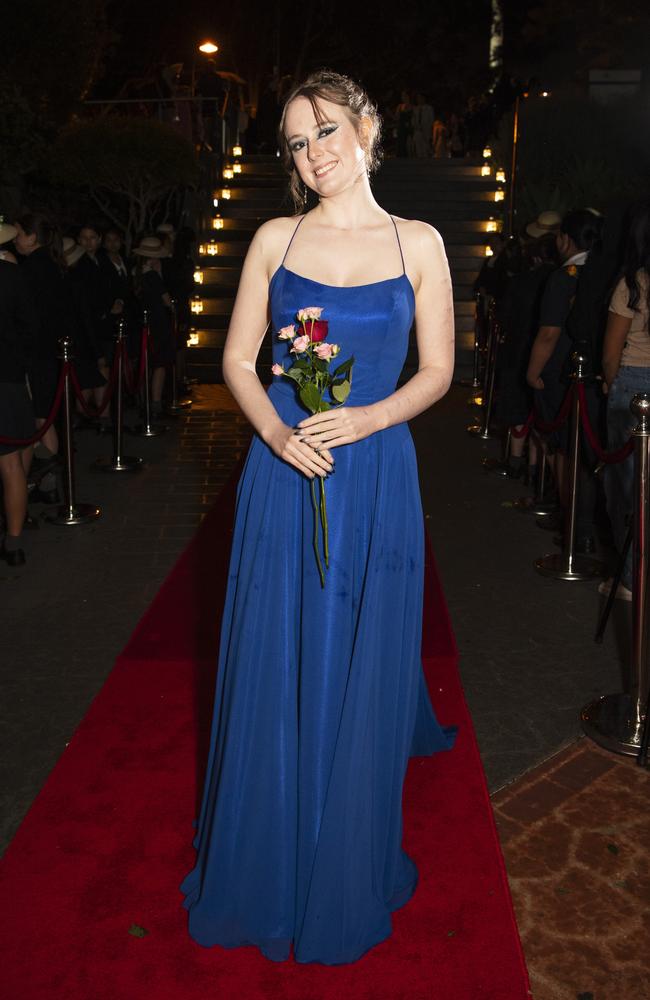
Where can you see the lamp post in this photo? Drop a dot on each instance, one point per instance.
(207, 48)
(515, 149)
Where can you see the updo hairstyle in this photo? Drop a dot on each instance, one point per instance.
(341, 90)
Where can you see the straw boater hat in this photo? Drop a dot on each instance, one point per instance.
(72, 252)
(151, 246)
(545, 223)
(7, 232)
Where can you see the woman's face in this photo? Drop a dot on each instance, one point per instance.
(25, 243)
(328, 156)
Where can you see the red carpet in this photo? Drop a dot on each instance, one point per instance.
(108, 840)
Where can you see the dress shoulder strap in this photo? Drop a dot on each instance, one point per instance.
(302, 219)
(398, 243)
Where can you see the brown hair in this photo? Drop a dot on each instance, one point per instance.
(341, 90)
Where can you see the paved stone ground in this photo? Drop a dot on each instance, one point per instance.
(528, 661)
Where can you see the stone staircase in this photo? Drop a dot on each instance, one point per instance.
(449, 194)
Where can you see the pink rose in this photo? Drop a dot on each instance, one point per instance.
(335, 350)
(277, 370)
(287, 332)
(300, 344)
(309, 312)
(323, 351)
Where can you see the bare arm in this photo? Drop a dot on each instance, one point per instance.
(616, 333)
(541, 352)
(248, 325)
(434, 323)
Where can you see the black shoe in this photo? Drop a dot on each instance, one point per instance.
(14, 558)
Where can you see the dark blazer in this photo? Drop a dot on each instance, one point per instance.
(18, 324)
(46, 286)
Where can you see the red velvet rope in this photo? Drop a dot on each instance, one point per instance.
(562, 415)
(608, 457)
(525, 428)
(42, 431)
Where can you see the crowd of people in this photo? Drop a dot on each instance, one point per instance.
(575, 283)
(82, 287)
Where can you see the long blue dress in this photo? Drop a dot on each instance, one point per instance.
(320, 695)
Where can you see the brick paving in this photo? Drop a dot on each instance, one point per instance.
(575, 834)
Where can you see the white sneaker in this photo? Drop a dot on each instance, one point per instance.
(622, 592)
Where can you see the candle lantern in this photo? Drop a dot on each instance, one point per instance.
(236, 151)
(228, 173)
(217, 222)
(198, 276)
(487, 152)
(193, 338)
(499, 195)
(197, 305)
(500, 176)
(486, 170)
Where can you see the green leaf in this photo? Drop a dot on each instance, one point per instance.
(295, 374)
(303, 363)
(310, 397)
(341, 391)
(136, 931)
(320, 365)
(344, 368)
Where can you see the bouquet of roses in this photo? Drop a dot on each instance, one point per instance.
(319, 389)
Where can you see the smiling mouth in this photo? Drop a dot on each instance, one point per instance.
(326, 169)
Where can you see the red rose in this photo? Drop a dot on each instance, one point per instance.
(317, 330)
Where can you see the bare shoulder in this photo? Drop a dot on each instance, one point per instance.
(419, 238)
(271, 240)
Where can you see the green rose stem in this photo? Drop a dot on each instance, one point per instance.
(323, 517)
(316, 549)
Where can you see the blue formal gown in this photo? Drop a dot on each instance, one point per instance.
(320, 695)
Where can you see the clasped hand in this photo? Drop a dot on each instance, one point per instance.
(306, 446)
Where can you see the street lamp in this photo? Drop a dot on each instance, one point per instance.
(209, 48)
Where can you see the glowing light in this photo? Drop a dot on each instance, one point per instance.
(544, 93)
(489, 252)
(237, 168)
(198, 277)
(486, 170)
(228, 173)
(499, 195)
(225, 194)
(217, 222)
(500, 176)
(487, 152)
(193, 338)
(212, 249)
(197, 305)
(209, 48)
(236, 151)
(215, 202)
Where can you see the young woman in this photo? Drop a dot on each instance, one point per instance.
(320, 693)
(626, 370)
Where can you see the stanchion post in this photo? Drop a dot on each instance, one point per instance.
(147, 429)
(567, 565)
(616, 721)
(538, 504)
(119, 462)
(71, 512)
(482, 429)
(177, 405)
(475, 381)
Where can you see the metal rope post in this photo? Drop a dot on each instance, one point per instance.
(475, 381)
(616, 721)
(482, 429)
(538, 504)
(71, 512)
(147, 429)
(567, 565)
(177, 405)
(119, 462)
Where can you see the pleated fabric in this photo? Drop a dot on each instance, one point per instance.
(320, 695)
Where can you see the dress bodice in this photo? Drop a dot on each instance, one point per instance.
(371, 322)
